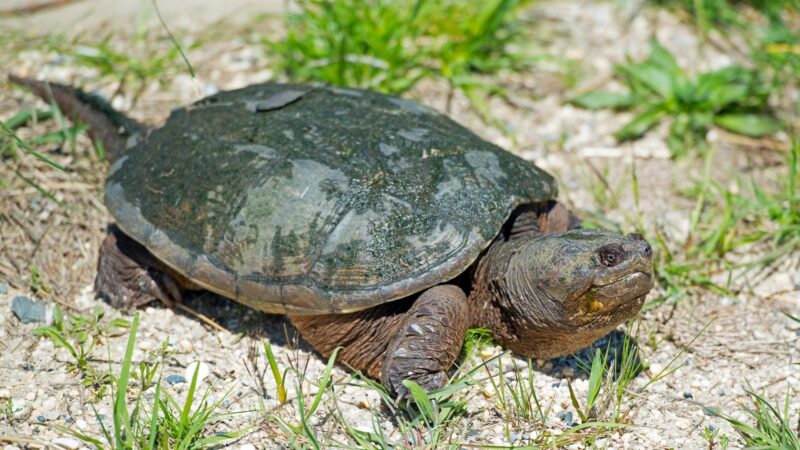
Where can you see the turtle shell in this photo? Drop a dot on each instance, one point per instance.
(307, 200)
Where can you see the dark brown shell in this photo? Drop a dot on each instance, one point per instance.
(300, 199)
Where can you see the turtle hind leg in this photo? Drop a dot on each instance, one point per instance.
(128, 276)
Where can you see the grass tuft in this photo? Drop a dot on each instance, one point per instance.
(733, 98)
(390, 45)
(771, 426)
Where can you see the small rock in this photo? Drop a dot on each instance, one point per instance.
(11, 447)
(5, 394)
(202, 371)
(3, 289)
(247, 447)
(41, 419)
(81, 424)
(363, 404)
(687, 394)
(175, 379)
(566, 416)
(22, 409)
(49, 404)
(185, 346)
(487, 352)
(567, 372)
(28, 310)
(67, 443)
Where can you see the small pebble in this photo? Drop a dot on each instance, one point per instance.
(487, 352)
(28, 310)
(202, 371)
(11, 447)
(66, 443)
(247, 447)
(566, 416)
(41, 419)
(3, 289)
(175, 379)
(185, 346)
(687, 394)
(363, 404)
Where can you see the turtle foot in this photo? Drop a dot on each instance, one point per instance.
(429, 340)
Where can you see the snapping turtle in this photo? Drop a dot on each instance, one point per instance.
(375, 223)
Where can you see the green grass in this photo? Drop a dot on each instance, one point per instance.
(79, 336)
(733, 98)
(771, 29)
(13, 148)
(160, 423)
(770, 425)
(390, 45)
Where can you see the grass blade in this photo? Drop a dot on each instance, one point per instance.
(121, 417)
(753, 125)
(276, 373)
(421, 399)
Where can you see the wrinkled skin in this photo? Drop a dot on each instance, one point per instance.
(558, 293)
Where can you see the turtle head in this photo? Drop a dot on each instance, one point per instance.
(569, 289)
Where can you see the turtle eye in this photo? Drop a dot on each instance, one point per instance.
(611, 255)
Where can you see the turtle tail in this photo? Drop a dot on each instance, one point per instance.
(106, 125)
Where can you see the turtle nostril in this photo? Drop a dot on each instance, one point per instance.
(647, 250)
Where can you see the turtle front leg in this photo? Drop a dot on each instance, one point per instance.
(428, 341)
(409, 339)
(128, 276)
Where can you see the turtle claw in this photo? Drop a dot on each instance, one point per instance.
(429, 382)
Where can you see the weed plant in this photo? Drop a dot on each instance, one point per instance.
(733, 98)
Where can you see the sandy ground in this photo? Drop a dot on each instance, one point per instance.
(73, 16)
(748, 342)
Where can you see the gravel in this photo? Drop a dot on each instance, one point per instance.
(28, 310)
(175, 379)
